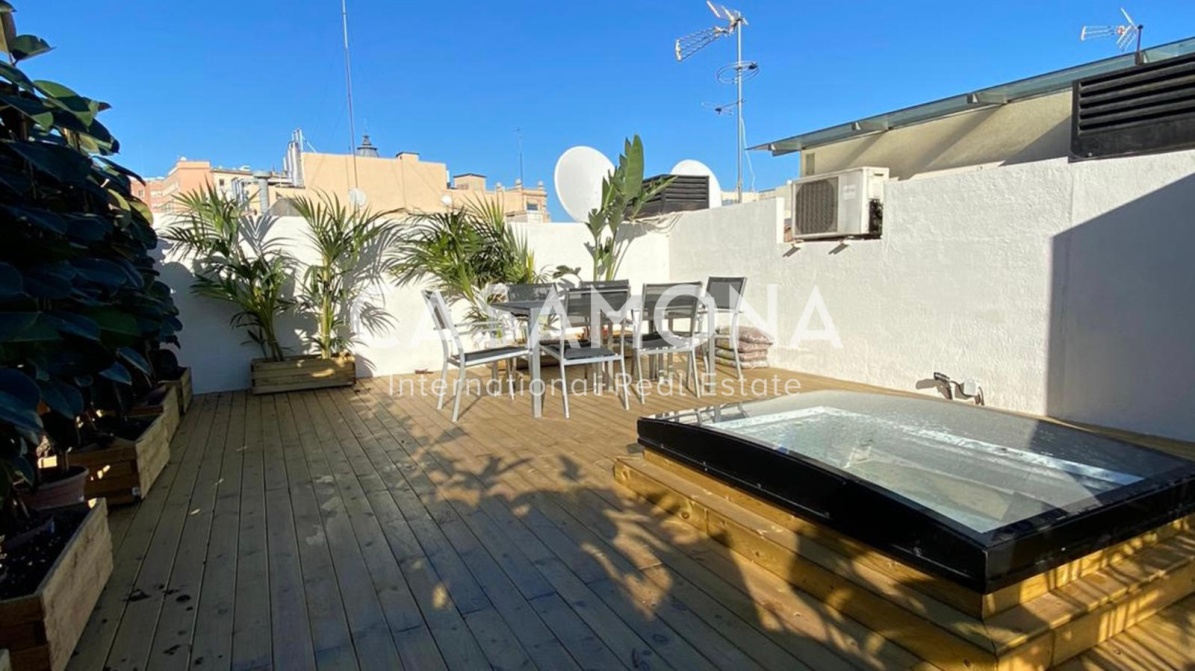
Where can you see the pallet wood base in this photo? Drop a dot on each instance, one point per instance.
(302, 373)
(125, 471)
(1036, 624)
(41, 630)
(183, 390)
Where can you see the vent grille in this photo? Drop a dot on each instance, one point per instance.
(1142, 109)
(815, 207)
(685, 193)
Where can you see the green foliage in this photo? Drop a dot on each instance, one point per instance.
(81, 306)
(623, 197)
(351, 245)
(463, 252)
(235, 262)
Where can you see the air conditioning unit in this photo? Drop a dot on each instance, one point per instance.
(838, 204)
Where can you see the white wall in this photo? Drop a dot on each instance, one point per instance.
(1062, 288)
(220, 359)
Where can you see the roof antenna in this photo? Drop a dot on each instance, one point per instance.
(734, 73)
(1126, 34)
(348, 82)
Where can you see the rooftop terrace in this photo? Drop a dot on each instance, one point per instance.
(358, 529)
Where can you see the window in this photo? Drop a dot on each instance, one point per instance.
(533, 207)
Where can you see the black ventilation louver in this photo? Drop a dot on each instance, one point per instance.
(1138, 110)
(685, 193)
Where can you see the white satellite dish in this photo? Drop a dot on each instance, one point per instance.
(357, 198)
(697, 169)
(579, 174)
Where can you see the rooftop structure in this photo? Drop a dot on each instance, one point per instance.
(1020, 121)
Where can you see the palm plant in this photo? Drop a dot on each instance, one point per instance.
(350, 244)
(623, 197)
(235, 263)
(463, 252)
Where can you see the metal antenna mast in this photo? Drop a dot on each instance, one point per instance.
(1126, 34)
(734, 73)
(348, 82)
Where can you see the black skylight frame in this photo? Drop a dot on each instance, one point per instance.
(908, 531)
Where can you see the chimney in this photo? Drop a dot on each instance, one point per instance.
(263, 190)
(367, 149)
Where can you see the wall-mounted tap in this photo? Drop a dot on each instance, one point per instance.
(967, 389)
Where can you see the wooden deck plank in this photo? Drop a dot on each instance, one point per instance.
(331, 641)
(96, 640)
(290, 627)
(372, 641)
(132, 645)
(176, 623)
(212, 642)
(348, 528)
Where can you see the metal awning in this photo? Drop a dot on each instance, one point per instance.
(1053, 82)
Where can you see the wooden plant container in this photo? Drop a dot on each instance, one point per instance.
(124, 472)
(41, 630)
(168, 408)
(300, 373)
(182, 388)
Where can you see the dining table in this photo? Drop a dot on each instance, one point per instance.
(530, 311)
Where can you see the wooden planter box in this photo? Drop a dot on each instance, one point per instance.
(124, 472)
(169, 409)
(305, 372)
(41, 630)
(182, 388)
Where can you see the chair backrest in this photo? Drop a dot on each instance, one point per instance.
(652, 293)
(726, 292)
(607, 284)
(529, 292)
(450, 338)
(583, 305)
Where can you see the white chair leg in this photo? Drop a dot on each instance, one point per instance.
(564, 387)
(693, 364)
(443, 385)
(626, 392)
(511, 369)
(460, 390)
(639, 377)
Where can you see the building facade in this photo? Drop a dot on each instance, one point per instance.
(403, 184)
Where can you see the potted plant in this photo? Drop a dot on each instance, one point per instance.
(235, 261)
(349, 246)
(80, 307)
(623, 197)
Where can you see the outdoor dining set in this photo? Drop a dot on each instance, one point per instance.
(593, 327)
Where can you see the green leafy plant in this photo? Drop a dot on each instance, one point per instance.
(351, 246)
(623, 197)
(464, 252)
(236, 262)
(81, 306)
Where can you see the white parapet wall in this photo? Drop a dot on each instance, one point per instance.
(1063, 289)
(220, 356)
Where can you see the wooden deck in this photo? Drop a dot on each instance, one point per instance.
(353, 528)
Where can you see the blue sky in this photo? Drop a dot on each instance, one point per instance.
(453, 80)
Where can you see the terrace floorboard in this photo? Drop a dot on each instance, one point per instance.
(362, 529)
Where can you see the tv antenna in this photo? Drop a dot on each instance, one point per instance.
(1126, 34)
(734, 73)
(348, 86)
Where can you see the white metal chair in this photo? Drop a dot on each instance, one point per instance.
(663, 304)
(456, 355)
(726, 294)
(591, 306)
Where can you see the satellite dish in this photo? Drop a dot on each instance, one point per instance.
(697, 169)
(579, 175)
(357, 198)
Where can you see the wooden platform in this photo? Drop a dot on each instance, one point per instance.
(352, 528)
